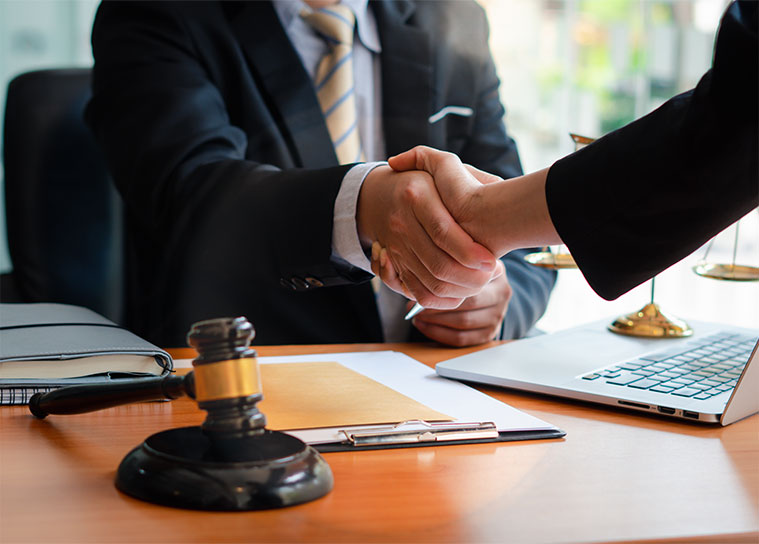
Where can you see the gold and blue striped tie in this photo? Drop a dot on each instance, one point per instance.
(334, 80)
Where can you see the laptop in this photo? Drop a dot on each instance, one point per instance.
(710, 377)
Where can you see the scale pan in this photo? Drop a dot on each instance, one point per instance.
(554, 261)
(728, 272)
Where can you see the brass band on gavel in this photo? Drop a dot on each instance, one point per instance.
(227, 379)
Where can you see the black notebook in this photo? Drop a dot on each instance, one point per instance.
(46, 346)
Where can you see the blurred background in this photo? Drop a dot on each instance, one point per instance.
(589, 67)
(583, 66)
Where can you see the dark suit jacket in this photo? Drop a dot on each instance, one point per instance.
(215, 138)
(660, 187)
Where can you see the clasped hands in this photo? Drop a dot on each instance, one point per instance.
(424, 216)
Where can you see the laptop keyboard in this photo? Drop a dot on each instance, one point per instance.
(699, 369)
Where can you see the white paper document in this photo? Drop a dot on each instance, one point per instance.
(417, 381)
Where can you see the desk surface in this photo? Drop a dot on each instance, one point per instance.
(617, 476)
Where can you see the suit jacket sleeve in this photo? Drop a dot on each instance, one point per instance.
(181, 164)
(660, 187)
(491, 149)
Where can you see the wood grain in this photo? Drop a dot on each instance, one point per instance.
(617, 476)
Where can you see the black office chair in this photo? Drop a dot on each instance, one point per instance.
(64, 217)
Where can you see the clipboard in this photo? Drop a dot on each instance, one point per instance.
(474, 416)
(436, 434)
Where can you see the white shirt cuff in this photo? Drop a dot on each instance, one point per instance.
(345, 242)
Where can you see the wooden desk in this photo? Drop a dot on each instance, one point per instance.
(616, 476)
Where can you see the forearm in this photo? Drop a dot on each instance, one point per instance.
(512, 214)
(239, 208)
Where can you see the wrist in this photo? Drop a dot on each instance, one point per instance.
(483, 216)
(515, 214)
(369, 203)
(345, 241)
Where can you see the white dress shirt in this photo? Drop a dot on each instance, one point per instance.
(367, 84)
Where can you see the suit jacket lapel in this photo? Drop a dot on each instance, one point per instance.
(406, 76)
(285, 82)
(289, 90)
(406, 88)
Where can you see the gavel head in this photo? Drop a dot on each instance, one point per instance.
(227, 381)
(222, 338)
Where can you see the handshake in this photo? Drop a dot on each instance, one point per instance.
(437, 226)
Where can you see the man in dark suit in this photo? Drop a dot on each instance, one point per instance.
(209, 117)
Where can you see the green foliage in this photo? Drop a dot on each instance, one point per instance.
(608, 11)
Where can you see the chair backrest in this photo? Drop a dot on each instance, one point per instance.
(64, 217)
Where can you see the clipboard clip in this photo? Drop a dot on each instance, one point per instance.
(416, 430)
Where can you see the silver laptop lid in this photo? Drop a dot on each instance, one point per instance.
(745, 398)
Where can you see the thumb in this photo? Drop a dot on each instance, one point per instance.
(408, 160)
(453, 179)
(430, 160)
(482, 176)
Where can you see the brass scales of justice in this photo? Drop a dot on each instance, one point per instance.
(650, 321)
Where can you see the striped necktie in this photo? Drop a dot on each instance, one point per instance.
(334, 80)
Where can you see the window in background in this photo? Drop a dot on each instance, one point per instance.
(35, 35)
(589, 67)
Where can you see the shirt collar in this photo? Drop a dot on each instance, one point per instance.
(288, 10)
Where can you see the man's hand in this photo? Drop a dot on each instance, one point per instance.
(434, 260)
(502, 215)
(459, 185)
(476, 321)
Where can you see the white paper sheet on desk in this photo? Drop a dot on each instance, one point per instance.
(417, 381)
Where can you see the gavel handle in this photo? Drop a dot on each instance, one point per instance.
(77, 399)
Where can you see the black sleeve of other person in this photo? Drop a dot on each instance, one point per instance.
(663, 185)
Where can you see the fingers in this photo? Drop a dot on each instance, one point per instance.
(477, 320)
(433, 258)
(453, 187)
(455, 183)
(433, 161)
(407, 283)
(494, 296)
(456, 337)
(499, 270)
(461, 318)
(404, 213)
(461, 190)
(458, 248)
(430, 273)
(414, 289)
(406, 160)
(382, 267)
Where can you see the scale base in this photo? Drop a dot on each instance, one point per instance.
(183, 468)
(651, 322)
